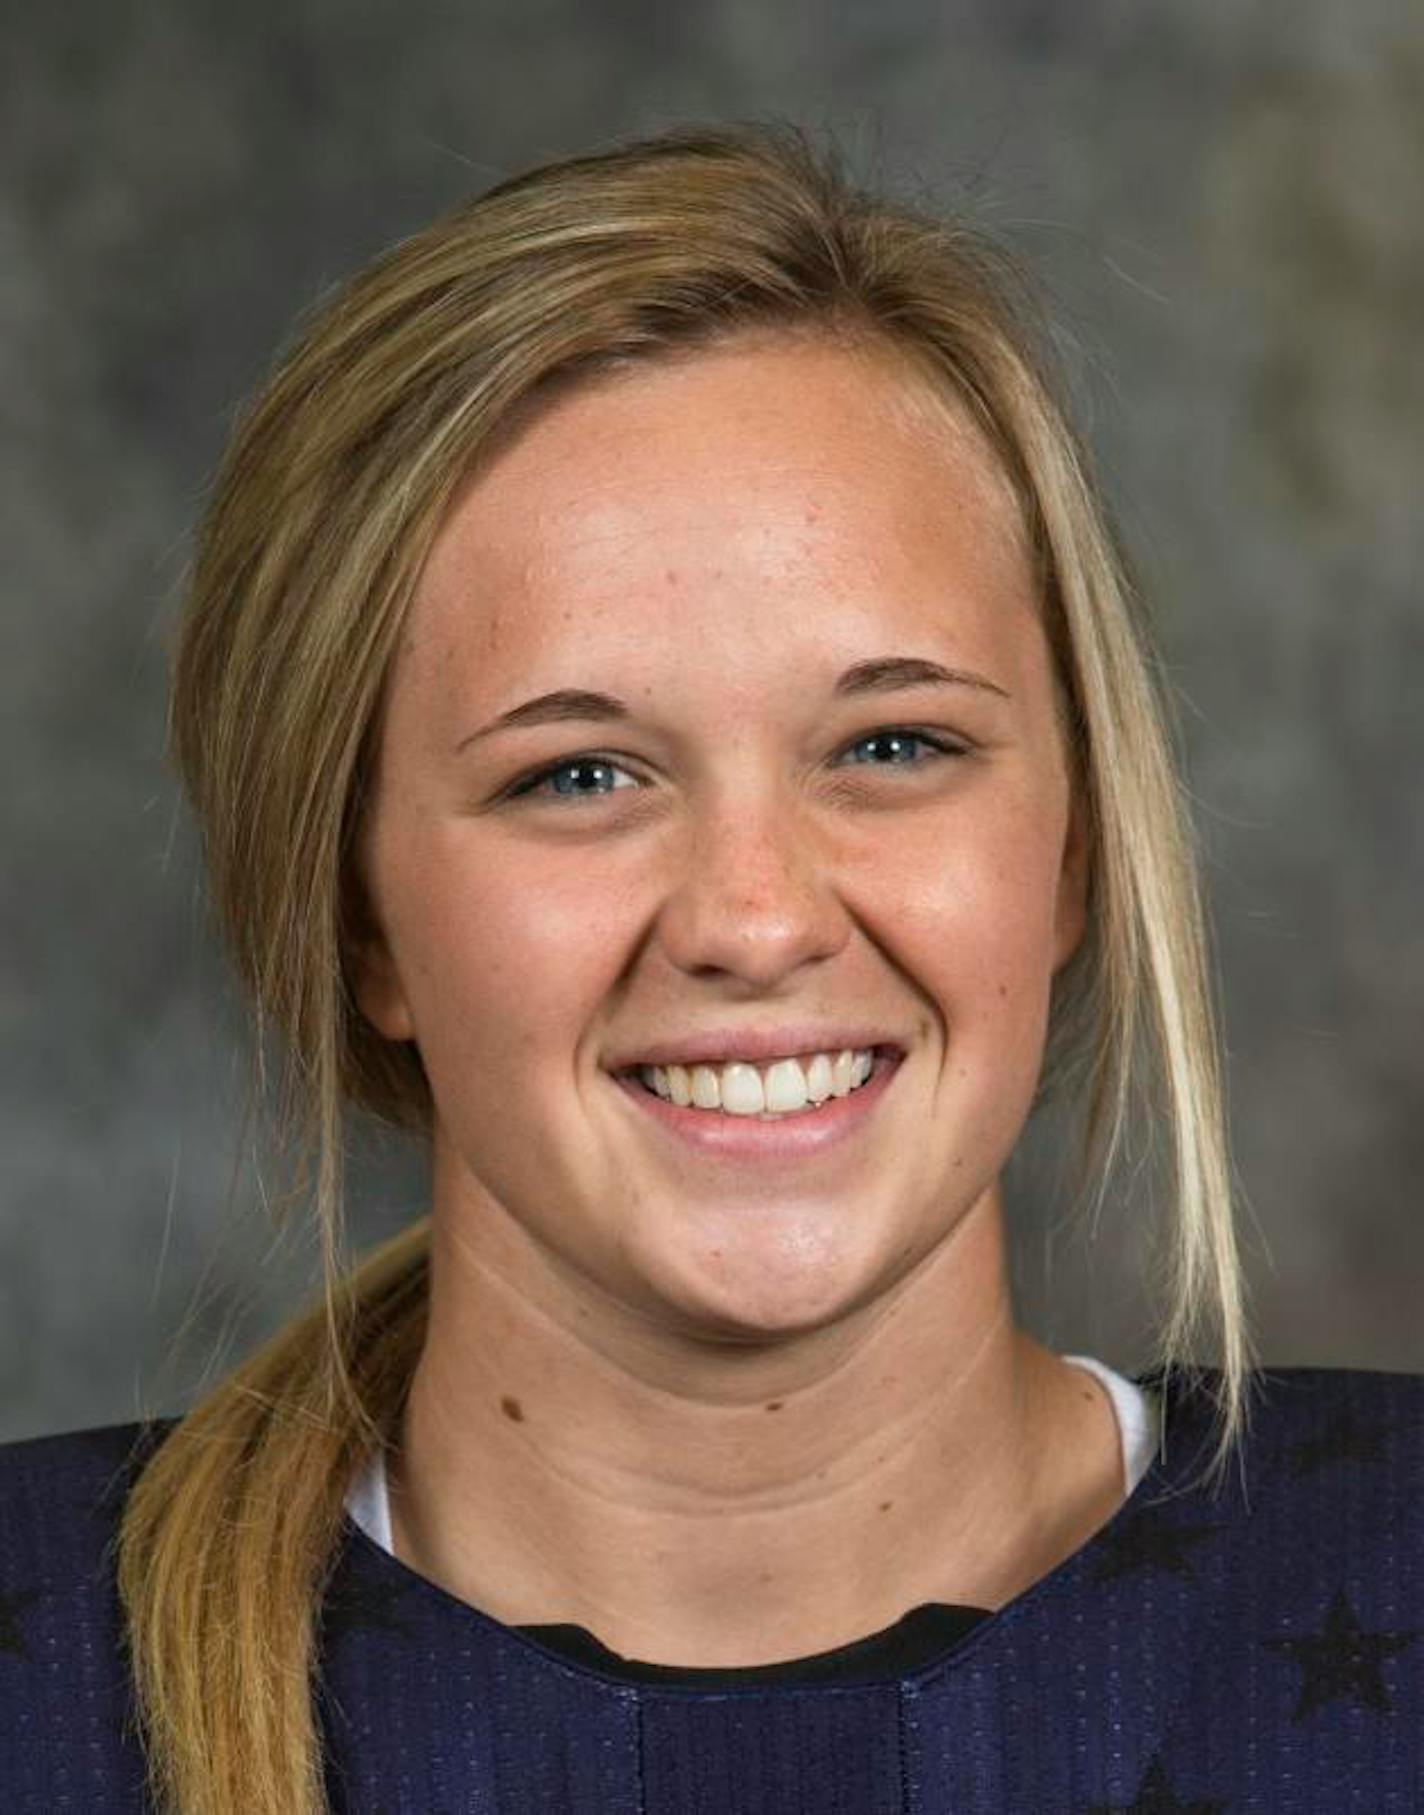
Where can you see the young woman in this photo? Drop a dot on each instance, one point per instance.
(668, 726)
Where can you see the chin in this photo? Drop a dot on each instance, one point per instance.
(761, 1285)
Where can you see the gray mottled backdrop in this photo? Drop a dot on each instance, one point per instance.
(1226, 202)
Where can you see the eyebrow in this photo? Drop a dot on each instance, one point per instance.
(884, 674)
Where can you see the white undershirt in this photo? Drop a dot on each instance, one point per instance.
(369, 1502)
(1139, 1417)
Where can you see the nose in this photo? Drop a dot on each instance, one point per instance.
(754, 897)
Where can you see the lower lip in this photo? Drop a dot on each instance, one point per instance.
(790, 1137)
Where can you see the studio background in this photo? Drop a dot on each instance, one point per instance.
(1226, 206)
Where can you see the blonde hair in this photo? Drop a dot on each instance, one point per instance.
(325, 506)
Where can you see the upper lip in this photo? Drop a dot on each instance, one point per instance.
(756, 1045)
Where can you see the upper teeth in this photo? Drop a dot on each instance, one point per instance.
(779, 1088)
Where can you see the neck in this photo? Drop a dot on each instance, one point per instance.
(705, 1503)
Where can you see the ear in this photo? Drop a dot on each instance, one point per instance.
(1071, 909)
(368, 959)
(380, 995)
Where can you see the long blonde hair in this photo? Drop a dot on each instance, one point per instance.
(325, 506)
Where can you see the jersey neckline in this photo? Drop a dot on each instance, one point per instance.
(924, 1639)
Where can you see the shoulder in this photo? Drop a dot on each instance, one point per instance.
(1308, 1435)
(90, 1463)
(1319, 1507)
(1301, 1396)
(61, 1498)
(65, 1741)
(1302, 1424)
(1321, 1496)
(1324, 1430)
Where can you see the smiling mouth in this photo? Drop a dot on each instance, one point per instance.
(784, 1089)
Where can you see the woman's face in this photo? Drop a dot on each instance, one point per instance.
(796, 785)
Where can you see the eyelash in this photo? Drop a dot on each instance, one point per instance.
(532, 785)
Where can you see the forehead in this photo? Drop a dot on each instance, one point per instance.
(806, 489)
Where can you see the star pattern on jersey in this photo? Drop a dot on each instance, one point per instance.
(12, 1635)
(1342, 1662)
(1150, 1541)
(1156, 1796)
(1344, 1440)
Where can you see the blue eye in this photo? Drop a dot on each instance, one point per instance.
(592, 777)
(898, 746)
(578, 778)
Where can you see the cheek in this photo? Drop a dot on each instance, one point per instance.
(976, 933)
(502, 971)
(974, 915)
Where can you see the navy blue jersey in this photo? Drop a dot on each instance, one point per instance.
(1256, 1645)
